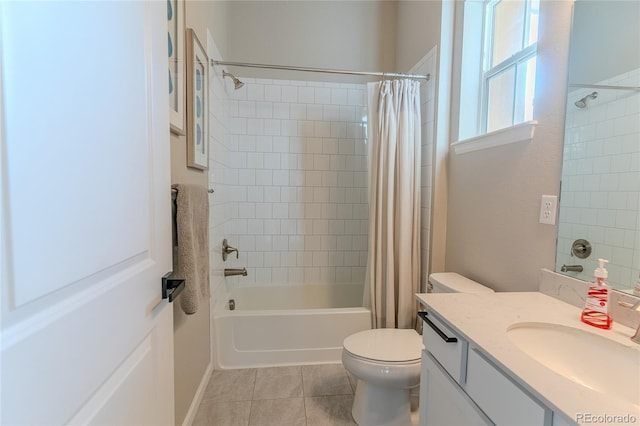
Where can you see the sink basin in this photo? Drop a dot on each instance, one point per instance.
(587, 359)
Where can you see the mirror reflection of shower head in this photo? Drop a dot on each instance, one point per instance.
(582, 103)
(236, 83)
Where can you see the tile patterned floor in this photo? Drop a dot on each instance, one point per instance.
(309, 395)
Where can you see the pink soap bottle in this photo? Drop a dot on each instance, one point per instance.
(596, 308)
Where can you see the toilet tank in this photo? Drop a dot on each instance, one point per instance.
(450, 282)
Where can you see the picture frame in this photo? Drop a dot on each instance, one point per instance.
(197, 103)
(175, 50)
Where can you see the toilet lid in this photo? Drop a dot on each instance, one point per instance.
(385, 344)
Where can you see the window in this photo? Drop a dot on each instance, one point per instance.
(510, 35)
(498, 65)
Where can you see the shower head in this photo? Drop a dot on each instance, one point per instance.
(236, 83)
(582, 103)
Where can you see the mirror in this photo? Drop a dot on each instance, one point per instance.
(600, 191)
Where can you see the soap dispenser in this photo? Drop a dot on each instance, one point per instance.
(596, 308)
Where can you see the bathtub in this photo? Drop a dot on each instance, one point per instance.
(287, 325)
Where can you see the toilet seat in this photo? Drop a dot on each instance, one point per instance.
(385, 345)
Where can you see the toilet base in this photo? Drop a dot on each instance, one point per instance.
(380, 406)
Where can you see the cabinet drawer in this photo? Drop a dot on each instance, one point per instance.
(442, 401)
(502, 400)
(450, 354)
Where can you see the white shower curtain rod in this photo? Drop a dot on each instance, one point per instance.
(322, 70)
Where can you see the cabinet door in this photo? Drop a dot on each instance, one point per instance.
(442, 401)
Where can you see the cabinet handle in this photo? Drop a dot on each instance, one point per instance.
(435, 328)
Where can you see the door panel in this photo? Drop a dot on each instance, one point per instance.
(86, 211)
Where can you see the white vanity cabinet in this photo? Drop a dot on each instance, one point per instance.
(461, 386)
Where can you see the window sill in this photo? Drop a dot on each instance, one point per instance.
(522, 132)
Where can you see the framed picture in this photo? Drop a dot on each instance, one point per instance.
(175, 22)
(197, 103)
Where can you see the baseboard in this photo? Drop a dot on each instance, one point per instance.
(197, 398)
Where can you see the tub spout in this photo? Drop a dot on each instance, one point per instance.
(571, 268)
(229, 272)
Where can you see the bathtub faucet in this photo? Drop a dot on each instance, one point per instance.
(229, 272)
(571, 268)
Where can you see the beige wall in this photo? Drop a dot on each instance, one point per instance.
(493, 234)
(192, 343)
(418, 31)
(352, 35)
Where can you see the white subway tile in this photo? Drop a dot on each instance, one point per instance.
(312, 242)
(280, 144)
(305, 128)
(255, 259)
(255, 126)
(247, 109)
(289, 128)
(247, 210)
(305, 194)
(255, 92)
(312, 275)
(296, 275)
(339, 96)
(355, 97)
(264, 110)
(322, 129)
(264, 143)
(264, 210)
(321, 195)
(328, 275)
(336, 258)
(304, 226)
(255, 226)
(304, 258)
(273, 93)
(255, 160)
(255, 194)
(313, 178)
(296, 211)
(272, 226)
(281, 110)
(272, 127)
(322, 96)
(271, 259)
(306, 95)
(298, 112)
(272, 194)
(280, 177)
(289, 94)
(247, 177)
(264, 177)
(280, 242)
(328, 242)
(246, 243)
(247, 143)
(264, 243)
(314, 112)
(329, 210)
(288, 194)
(343, 274)
(331, 113)
(272, 161)
(320, 227)
(289, 226)
(320, 258)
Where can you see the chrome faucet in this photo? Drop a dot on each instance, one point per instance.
(636, 307)
(571, 268)
(229, 272)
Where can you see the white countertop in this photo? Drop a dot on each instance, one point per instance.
(483, 319)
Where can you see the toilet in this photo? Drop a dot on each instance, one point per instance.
(386, 362)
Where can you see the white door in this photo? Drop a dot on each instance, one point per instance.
(86, 237)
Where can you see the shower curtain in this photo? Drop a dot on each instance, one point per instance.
(393, 269)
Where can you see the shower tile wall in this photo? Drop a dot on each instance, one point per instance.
(298, 154)
(222, 177)
(427, 101)
(601, 181)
